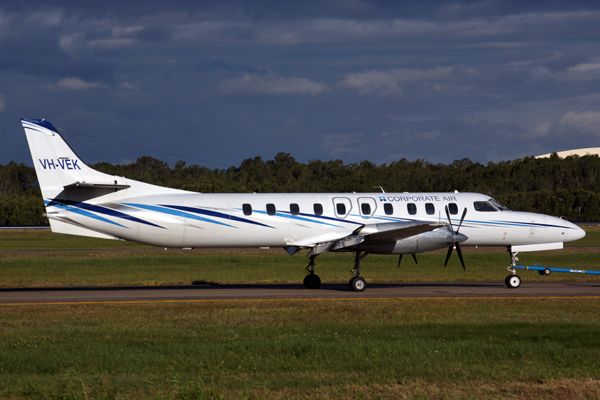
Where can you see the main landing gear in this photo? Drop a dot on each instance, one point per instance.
(512, 281)
(312, 280)
(358, 283)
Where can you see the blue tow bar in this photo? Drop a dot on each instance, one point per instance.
(538, 267)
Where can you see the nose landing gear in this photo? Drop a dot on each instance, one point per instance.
(513, 280)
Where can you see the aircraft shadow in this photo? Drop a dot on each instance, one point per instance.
(288, 286)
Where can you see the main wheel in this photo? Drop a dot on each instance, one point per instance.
(513, 281)
(312, 281)
(357, 284)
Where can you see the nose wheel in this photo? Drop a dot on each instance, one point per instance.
(512, 281)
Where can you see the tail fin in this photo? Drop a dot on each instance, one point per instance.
(56, 164)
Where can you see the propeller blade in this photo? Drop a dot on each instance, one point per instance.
(461, 219)
(460, 256)
(449, 220)
(415, 258)
(399, 260)
(448, 255)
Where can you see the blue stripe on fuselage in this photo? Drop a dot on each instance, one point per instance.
(169, 211)
(76, 210)
(104, 210)
(215, 214)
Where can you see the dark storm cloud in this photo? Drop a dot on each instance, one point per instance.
(349, 79)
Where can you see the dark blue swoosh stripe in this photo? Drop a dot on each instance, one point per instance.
(215, 214)
(105, 211)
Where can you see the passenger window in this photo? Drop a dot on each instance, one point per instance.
(429, 208)
(341, 208)
(483, 206)
(271, 209)
(453, 208)
(412, 208)
(294, 209)
(388, 208)
(365, 208)
(247, 209)
(318, 209)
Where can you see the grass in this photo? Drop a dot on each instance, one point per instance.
(181, 268)
(441, 348)
(417, 349)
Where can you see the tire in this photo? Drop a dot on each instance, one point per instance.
(358, 284)
(545, 272)
(512, 281)
(312, 281)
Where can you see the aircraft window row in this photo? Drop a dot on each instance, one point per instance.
(388, 208)
(294, 209)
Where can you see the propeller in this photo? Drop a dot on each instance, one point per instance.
(455, 243)
(400, 259)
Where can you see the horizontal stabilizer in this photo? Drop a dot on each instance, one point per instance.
(109, 186)
(65, 226)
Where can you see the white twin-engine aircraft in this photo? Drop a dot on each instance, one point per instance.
(82, 201)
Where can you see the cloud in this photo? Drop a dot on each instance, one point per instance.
(584, 67)
(391, 82)
(587, 122)
(271, 85)
(541, 129)
(75, 84)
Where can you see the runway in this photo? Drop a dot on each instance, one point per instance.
(211, 293)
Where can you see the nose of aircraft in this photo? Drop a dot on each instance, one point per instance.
(575, 233)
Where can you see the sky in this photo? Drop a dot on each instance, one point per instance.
(215, 83)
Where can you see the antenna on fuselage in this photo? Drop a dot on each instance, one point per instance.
(379, 187)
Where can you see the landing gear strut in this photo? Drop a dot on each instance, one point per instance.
(512, 281)
(312, 281)
(357, 283)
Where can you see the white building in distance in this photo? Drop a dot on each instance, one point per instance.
(590, 151)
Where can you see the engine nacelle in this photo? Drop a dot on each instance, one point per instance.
(434, 240)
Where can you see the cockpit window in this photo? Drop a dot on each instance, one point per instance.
(483, 206)
(498, 205)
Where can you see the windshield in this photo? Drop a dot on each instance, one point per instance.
(498, 205)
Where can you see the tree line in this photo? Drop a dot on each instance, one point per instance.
(566, 187)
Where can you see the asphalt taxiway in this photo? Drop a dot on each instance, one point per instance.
(199, 293)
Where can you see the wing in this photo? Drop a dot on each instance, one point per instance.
(388, 232)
